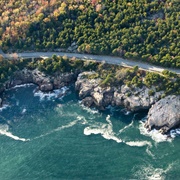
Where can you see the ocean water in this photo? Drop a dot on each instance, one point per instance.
(52, 136)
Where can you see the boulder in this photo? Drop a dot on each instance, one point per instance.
(165, 114)
(46, 87)
(88, 101)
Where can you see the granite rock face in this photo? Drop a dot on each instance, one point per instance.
(165, 114)
(132, 99)
(45, 82)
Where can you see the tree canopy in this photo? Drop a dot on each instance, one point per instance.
(142, 30)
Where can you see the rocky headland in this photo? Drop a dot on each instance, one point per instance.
(164, 113)
(44, 82)
(132, 98)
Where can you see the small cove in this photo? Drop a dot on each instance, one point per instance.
(50, 137)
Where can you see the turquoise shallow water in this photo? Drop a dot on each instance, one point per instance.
(50, 137)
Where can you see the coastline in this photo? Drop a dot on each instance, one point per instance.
(93, 95)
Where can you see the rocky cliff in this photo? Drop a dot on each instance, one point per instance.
(132, 98)
(165, 114)
(44, 82)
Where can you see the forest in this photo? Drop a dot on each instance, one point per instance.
(146, 30)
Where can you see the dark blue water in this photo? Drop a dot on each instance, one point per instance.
(50, 137)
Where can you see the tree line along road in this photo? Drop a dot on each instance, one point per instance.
(99, 58)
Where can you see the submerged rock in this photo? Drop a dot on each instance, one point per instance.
(88, 101)
(165, 114)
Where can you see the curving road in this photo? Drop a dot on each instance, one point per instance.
(99, 58)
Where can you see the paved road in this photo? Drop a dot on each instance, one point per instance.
(107, 59)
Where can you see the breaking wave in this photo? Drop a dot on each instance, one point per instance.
(139, 143)
(106, 130)
(58, 93)
(151, 173)
(22, 85)
(154, 134)
(89, 110)
(4, 131)
(5, 106)
(175, 132)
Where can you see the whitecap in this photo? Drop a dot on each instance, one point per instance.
(126, 127)
(17, 103)
(174, 133)
(126, 112)
(24, 111)
(21, 85)
(111, 108)
(151, 173)
(139, 143)
(58, 93)
(4, 131)
(149, 152)
(5, 106)
(71, 124)
(105, 130)
(109, 121)
(89, 110)
(154, 134)
(178, 131)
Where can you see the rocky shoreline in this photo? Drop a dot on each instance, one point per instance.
(163, 113)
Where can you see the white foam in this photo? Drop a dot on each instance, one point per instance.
(149, 152)
(151, 173)
(154, 134)
(17, 103)
(66, 126)
(111, 108)
(24, 111)
(4, 131)
(22, 85)
(51, 95)
(175, 132)
(139, 143)
(126, 112)
(5, 106)
(89, 110)
(178, 131)
(109, 120)
(126, 127)
(71, 124)
(106, 130)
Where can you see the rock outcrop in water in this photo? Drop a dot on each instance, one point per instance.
(165, 114)
(45, 82)
(133, 99)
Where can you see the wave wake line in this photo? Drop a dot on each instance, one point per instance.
(106, 130)
(4, 131)
(79, 118)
